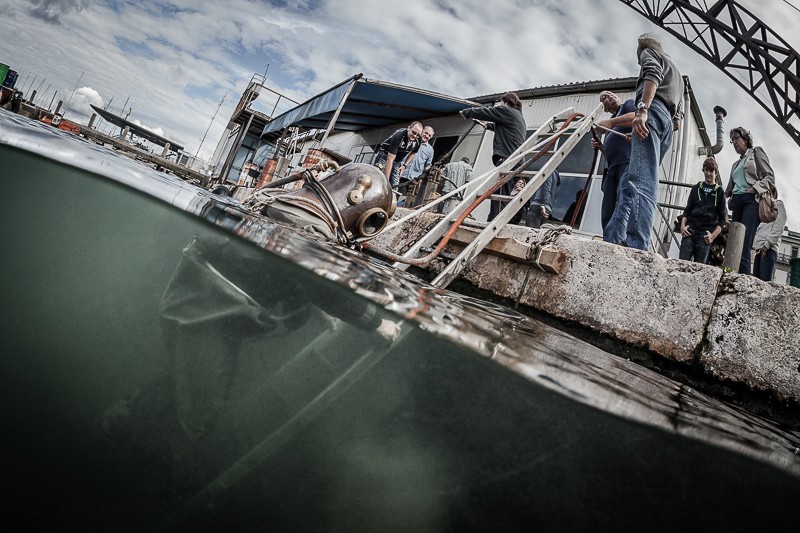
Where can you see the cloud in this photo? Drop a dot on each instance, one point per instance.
(81, 99)
(51, 11)
(157, 131)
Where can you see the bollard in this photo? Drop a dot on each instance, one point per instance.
(794, 272)
(733, 247)
(165, 151)
(91, 120)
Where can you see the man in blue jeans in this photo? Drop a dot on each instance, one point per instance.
(659, 93)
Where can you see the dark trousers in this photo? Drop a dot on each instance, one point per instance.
(695, 246)
(609, 187)
(496, 206)
(744, 209)
(764, 265)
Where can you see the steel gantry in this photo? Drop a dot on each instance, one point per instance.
(741, 45)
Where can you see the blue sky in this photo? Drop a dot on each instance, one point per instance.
(175, 60)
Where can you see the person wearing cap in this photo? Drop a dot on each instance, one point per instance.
(659, 96)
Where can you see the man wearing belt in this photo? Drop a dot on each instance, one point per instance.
(659, 93)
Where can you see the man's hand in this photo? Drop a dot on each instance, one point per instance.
(640, 124)
(764, 250)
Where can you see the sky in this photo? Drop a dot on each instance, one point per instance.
(179, 67)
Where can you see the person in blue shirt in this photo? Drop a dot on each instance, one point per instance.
(616, 148)
(414, 166)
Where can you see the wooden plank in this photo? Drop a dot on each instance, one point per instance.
(551, 260)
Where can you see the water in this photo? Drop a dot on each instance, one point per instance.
(162, 371)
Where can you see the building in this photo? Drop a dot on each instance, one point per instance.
(348, 121)
(788, 249)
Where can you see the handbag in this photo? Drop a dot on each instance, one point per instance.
(767, 208)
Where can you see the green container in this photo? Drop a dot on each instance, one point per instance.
(794, 272)
(3, 71)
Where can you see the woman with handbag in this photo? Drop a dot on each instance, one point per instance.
(751, 177)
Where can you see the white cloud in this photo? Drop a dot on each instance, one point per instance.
(81, 99)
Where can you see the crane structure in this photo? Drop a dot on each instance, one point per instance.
(741, 45)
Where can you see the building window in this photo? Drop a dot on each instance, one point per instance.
(794, 252)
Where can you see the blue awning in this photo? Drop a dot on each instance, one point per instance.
(369, 104)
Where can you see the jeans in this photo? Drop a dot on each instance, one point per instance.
(610, 187)
(744, 209)
(764, 266)
(632, 222)
(394, 177)
(694, 245)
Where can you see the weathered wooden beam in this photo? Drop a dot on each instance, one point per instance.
(550, 259)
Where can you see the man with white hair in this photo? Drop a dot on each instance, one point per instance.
(414, 166)
(659, 94)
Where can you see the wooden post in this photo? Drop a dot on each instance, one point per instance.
(733, 247)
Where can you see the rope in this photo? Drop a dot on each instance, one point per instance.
(551, 234)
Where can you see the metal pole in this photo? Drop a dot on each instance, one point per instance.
(336, 114)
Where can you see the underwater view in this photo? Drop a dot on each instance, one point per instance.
(173, 362)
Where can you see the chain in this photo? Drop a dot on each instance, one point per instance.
(550, 236)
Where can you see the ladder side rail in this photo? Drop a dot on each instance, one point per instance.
(484, 182)
(492, 229)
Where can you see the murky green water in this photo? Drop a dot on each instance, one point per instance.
(161, 373)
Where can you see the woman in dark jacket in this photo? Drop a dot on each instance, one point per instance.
(509, 128)
(751, 176)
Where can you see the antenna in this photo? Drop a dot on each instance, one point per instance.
(212, 121)
(75, 89)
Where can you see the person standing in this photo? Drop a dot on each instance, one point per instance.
(704, 215)
(509, 128)
(751, 176)
(659, 93)
(456, 174)
(414, 166)
(395, 149)
(616, 148)
(540, 206)
(765, 243)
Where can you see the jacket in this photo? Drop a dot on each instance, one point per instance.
(769, 233)
(705, 212)
(508, 125)
(757, 171)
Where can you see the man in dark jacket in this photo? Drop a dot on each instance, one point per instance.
(704, 216)
(509, 128)
(399, 146)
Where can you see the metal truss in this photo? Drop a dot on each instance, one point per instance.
(739, 44)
